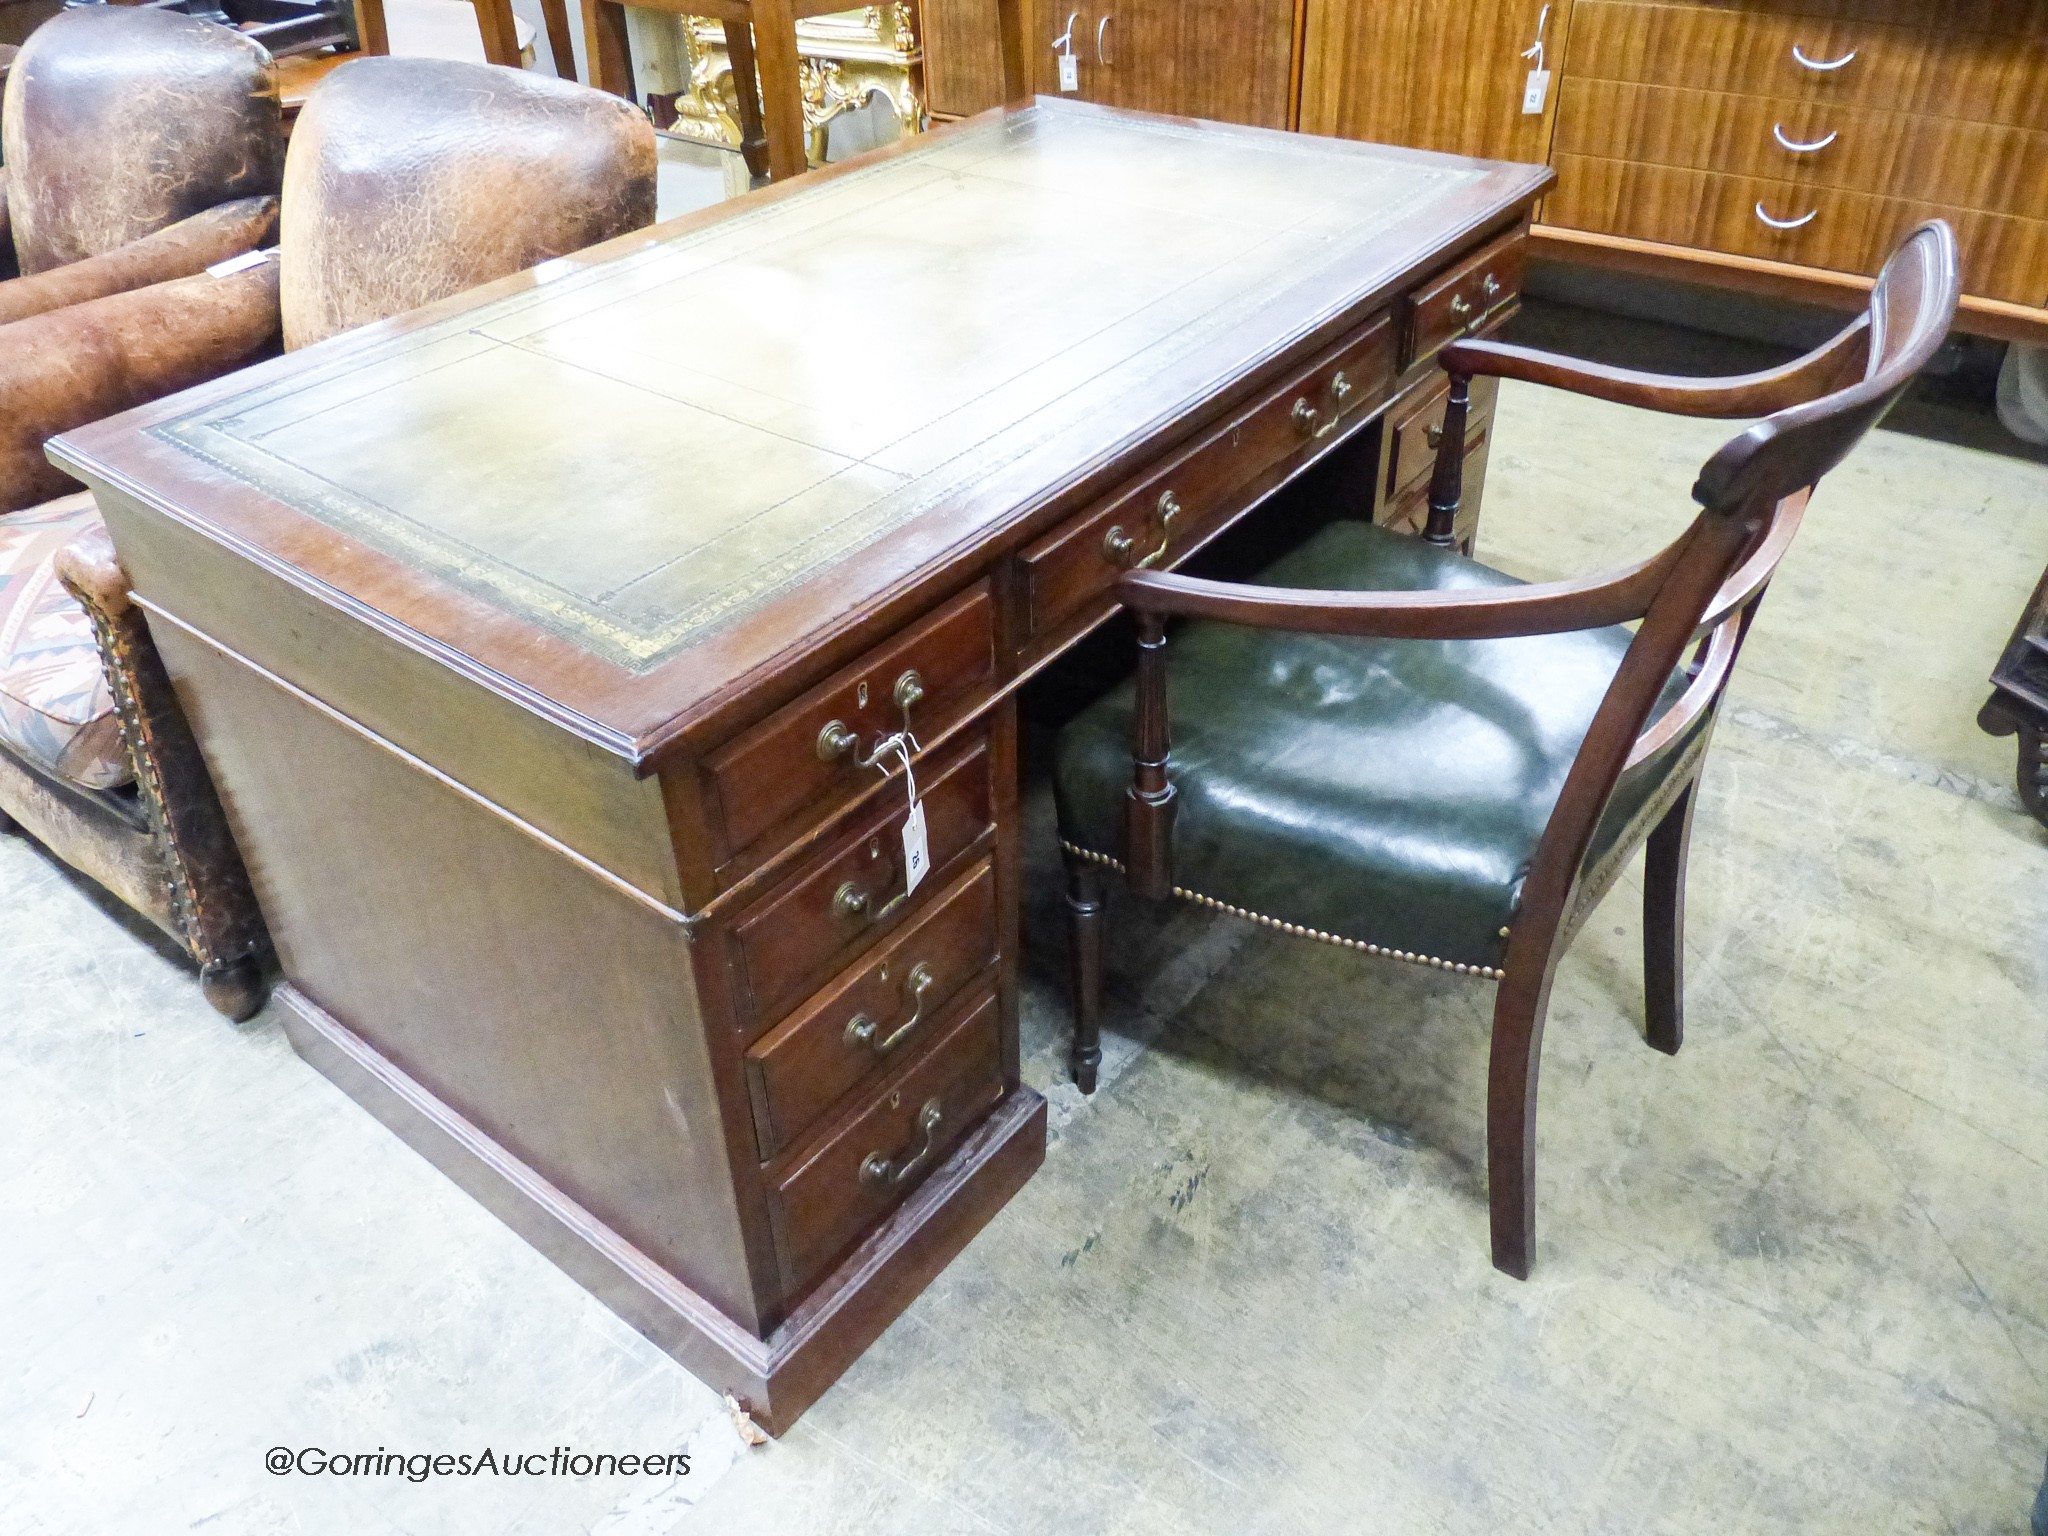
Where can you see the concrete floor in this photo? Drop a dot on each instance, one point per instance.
(1794, 1280)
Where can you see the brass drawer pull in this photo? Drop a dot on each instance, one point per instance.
(835, 741)
(1820, 66)
(1120, 549)
(1799, 223)
(851, 901)
(1304, 416)
(838, 743)
(1340, 389)
(1465, 312)
(861, 1030)
(1434, 433)
(1797, 148)
(879, 1170)
(909, 692)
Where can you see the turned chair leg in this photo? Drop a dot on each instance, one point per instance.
(1664, 925)
(1084, 926)
(1519, 1008)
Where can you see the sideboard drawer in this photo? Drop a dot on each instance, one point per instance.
(810, 753)
(1860, 149)
(874, 1017)
(1465, 299)
(1929, 66)
(2003, 257)
(831, 1193)
(789, 940)
(1178, 506)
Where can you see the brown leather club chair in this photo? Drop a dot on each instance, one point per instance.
(1383, 744)
(142, 147)
(408, 180)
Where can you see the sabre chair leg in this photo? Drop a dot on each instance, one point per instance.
(1664, 925)
(1518, 1013)
(1084, 926)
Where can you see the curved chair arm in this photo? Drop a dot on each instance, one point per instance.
(1829, 367)
(62, 370)
(1492, 613)
(183, 249)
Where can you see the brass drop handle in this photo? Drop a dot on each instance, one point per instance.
(1304, 416)
(1120, 549)
(878, 1170)
(861, 1030)
(850, 901)
(909, 691)
(1490, 287)
(1435, 433)
(835, 741)
(1340, 389)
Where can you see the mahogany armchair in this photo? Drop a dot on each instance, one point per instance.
(96, 761)
(1385, 745)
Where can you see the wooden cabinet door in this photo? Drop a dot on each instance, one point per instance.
(1435, 74)
(1226, 60)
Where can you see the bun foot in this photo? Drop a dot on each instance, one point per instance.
(236, 988)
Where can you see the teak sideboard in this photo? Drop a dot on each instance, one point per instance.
(558, 651)
(1780, 146)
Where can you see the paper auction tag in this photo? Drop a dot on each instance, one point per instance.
(917, 858)
(1535, 92)
(1070, 72)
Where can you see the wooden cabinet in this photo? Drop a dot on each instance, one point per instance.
(1226, 60)
(1431, 74)
(1778, 145)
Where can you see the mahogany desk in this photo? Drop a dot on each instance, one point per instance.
(537, 642)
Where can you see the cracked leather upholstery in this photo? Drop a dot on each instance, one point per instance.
(120, 121)
(183, 249)
(1386, 791)
(413, 179)
(77, 365)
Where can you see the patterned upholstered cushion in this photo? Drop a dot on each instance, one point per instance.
(56, 708)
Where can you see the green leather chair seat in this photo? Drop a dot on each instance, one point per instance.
(1389, 792)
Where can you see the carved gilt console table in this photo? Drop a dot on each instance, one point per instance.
(558, 652)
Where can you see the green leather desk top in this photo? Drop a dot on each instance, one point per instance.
(633, 453)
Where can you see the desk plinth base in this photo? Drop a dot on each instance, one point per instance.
(775, 1378)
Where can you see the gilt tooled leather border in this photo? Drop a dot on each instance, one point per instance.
(638, 647)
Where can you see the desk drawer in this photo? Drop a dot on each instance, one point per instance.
(1418, 427)
(830, 1193)
(808, 754)
(1463, 302)
(791, 939)
(878, 1015)
(1178, 506)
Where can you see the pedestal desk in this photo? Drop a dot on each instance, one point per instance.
(547, 646)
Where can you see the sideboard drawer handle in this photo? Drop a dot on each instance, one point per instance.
(836, 742)
(1820, 66)
(1121, 550)
(886, 1172)
(1797, 148)
(1799, 223)
(861, 1030)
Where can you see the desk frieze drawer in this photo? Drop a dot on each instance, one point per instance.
(1467, 299)
(816, 751)
(877, 1015)
(790, 940)
(1175, 508)
(828, 1194)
